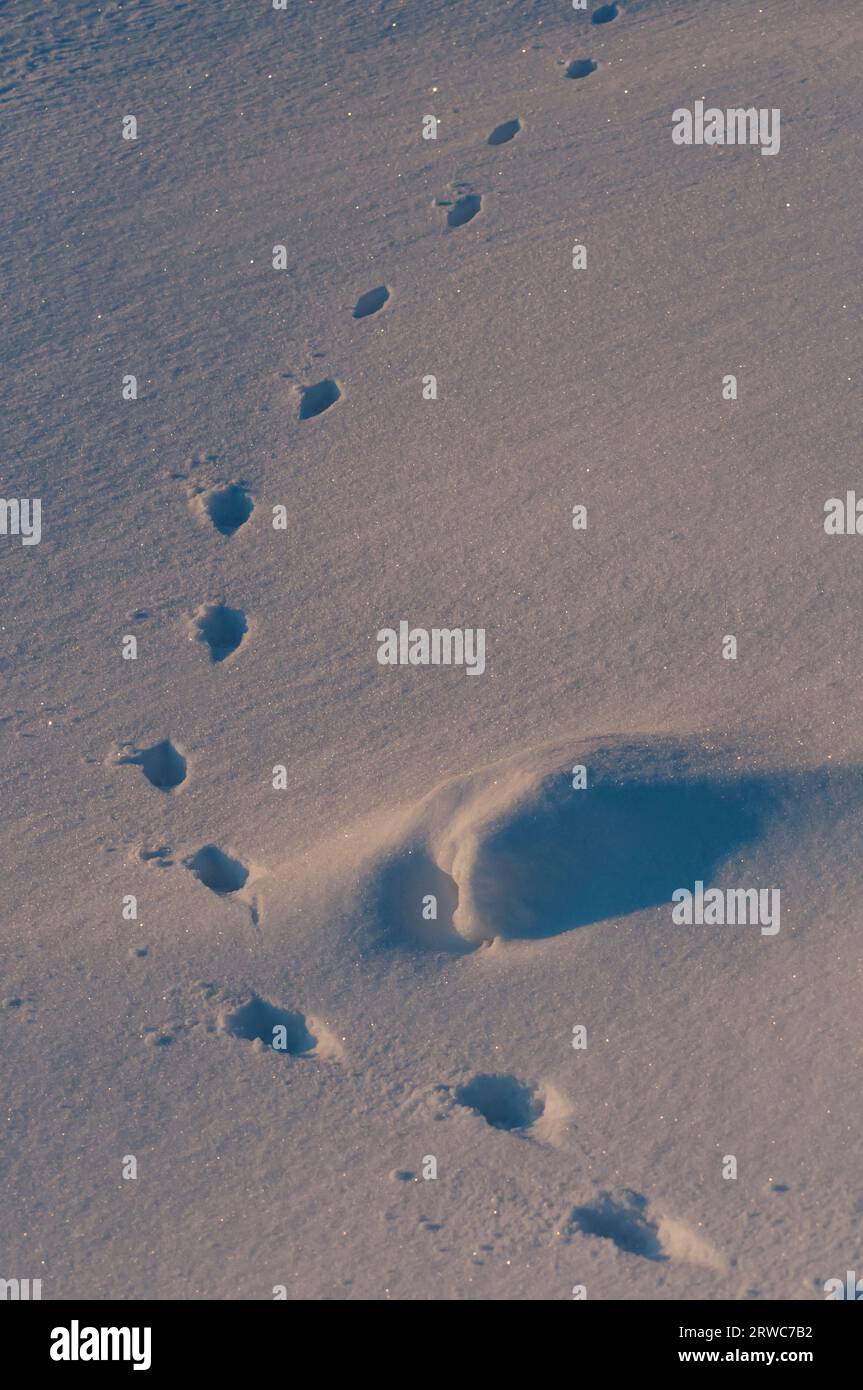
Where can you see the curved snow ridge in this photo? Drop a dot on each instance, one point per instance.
(564, 837)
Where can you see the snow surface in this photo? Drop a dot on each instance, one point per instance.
(257, 647)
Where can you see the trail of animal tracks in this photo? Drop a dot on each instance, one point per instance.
(252, 829)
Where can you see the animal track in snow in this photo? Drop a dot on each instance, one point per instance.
(462, 207)
(222, 629)
(158, 856)
(163, 766)
(503, 1101)
(580, 67)
(217, 870)
(464, 210)
(314, 400)
(517, 852)
(542, 1112)
(502, 134)
(225, 876)
(628, 1223)
(228, 506)
(624, 1221)
(371, 302)
(259, 1021)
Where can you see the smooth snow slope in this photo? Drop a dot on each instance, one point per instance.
(257, 647)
